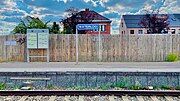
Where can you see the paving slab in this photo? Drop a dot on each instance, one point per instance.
(90, 66)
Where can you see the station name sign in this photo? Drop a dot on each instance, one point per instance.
(87, 27)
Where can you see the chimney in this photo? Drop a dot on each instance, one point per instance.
(87, 9)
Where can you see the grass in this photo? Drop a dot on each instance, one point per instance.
(118, 86)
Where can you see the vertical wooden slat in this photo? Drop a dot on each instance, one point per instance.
(115, 48)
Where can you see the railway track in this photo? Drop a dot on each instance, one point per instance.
(140, 95)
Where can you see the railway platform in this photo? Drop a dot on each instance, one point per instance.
(90, 67)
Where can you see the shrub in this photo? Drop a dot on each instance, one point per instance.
(16, 87)
(136, 87)
(2, 86)
(50, 86)
(106, 86)
(177, 88)
(78, 88)
(165, 87)
(172, 57)
(120, 84)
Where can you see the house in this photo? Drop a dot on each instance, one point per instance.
(129, 24)
(87, 17)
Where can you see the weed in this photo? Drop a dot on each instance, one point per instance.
(165, 87)
(2, 86)
(50, 86)
(172, 57)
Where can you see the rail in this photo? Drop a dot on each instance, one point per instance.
(92, 93)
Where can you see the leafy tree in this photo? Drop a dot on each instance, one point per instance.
(37, 23)
(155, 22)
(20, 28)
(74, 18)
(55, 28)
(29, 23)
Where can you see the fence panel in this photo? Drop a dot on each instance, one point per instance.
(114, 48)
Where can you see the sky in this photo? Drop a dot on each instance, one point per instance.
(11, 11)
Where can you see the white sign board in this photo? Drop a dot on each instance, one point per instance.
(31, 40)
(43, 40)
(37, 38)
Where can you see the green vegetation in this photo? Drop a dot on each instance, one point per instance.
(106, 87)
(123, 83)
(50, 86)
(32, 22)
(172, 57)
(166, 87)
(55, 28)
(78, 88)
(20, 28)
(136, 87)
(16, 87)
(2, 86)
(118, 86)
(29, 23)
(177, 88)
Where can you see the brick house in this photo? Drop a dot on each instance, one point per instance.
(129, 24)
(88, 17)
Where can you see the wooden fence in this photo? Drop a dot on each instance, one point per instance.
(115, 48)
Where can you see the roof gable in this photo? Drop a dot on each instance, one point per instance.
(90, 15)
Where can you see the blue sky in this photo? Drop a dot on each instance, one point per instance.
(11, 11)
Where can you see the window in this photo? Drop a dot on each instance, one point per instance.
(122, 24)
(140, 32)
(173, 31)
(179, 31)
(122, 32)
(131, 31)
(103, 28)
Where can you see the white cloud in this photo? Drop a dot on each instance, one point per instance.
(65, 1)
(10, 6)
(117, 8)
(6, 27)
(96, 2)
(170, 6)
(36, 11)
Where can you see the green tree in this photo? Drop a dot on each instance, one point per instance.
(20, 28)
(31, 23)
(55, 28)
(37, 23)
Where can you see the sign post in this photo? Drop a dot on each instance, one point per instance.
(87, 27)
(99, 46)
(37, 39)
(77, 49)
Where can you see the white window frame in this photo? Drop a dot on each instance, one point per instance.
(140, 31)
